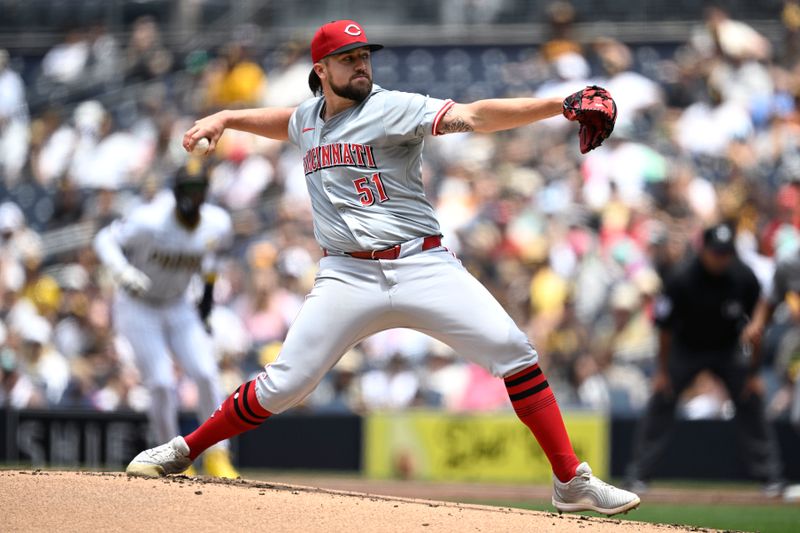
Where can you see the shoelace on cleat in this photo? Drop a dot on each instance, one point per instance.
(163, 453)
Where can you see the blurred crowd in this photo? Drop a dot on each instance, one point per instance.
(574, 247)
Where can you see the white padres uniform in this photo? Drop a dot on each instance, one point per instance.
(163, 321)
(363, 172)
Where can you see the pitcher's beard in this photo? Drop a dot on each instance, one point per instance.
(351, 91)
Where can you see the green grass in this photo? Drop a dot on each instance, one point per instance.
(766, 519)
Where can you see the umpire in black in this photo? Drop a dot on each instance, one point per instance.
(706, 303)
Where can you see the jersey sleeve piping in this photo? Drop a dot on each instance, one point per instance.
(444, 109)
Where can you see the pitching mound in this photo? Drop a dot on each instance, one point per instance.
(83, 501)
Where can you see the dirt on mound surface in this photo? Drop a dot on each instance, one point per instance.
(86, 501)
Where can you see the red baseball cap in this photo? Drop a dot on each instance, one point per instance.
(337, 37)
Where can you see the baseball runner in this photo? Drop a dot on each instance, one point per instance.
(384, 265)
(153, 254)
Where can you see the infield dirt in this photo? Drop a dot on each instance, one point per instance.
(85, 501)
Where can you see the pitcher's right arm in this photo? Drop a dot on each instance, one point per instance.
(272, 122)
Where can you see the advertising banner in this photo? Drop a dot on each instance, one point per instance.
(475, 447)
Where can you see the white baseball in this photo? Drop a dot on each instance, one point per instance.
(201, 147)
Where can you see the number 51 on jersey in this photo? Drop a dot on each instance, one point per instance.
(364, 187)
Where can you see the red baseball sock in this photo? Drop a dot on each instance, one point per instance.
(239, 413)
(536, 406)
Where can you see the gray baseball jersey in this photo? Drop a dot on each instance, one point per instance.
(363, 169)
(157, 244)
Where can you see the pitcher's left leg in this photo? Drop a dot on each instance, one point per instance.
(440, 298)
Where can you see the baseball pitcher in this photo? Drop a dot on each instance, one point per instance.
(384, 265)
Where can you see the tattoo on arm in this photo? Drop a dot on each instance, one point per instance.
(453, 123)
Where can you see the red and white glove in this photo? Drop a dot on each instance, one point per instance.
(596, 112)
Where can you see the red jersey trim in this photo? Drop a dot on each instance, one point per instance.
(445, 108)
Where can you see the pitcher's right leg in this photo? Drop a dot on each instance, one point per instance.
(344, 306)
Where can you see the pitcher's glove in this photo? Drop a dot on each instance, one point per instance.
(596, 112)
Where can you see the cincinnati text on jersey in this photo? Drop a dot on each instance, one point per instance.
(338, 155)
(170, 261)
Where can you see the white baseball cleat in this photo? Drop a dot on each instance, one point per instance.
(169, 458)
(585, 492)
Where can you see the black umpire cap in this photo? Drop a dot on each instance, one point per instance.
(719, 239)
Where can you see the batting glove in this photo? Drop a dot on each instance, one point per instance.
(133, 280)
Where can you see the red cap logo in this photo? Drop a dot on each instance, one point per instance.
(353, 29)
(337, 37)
